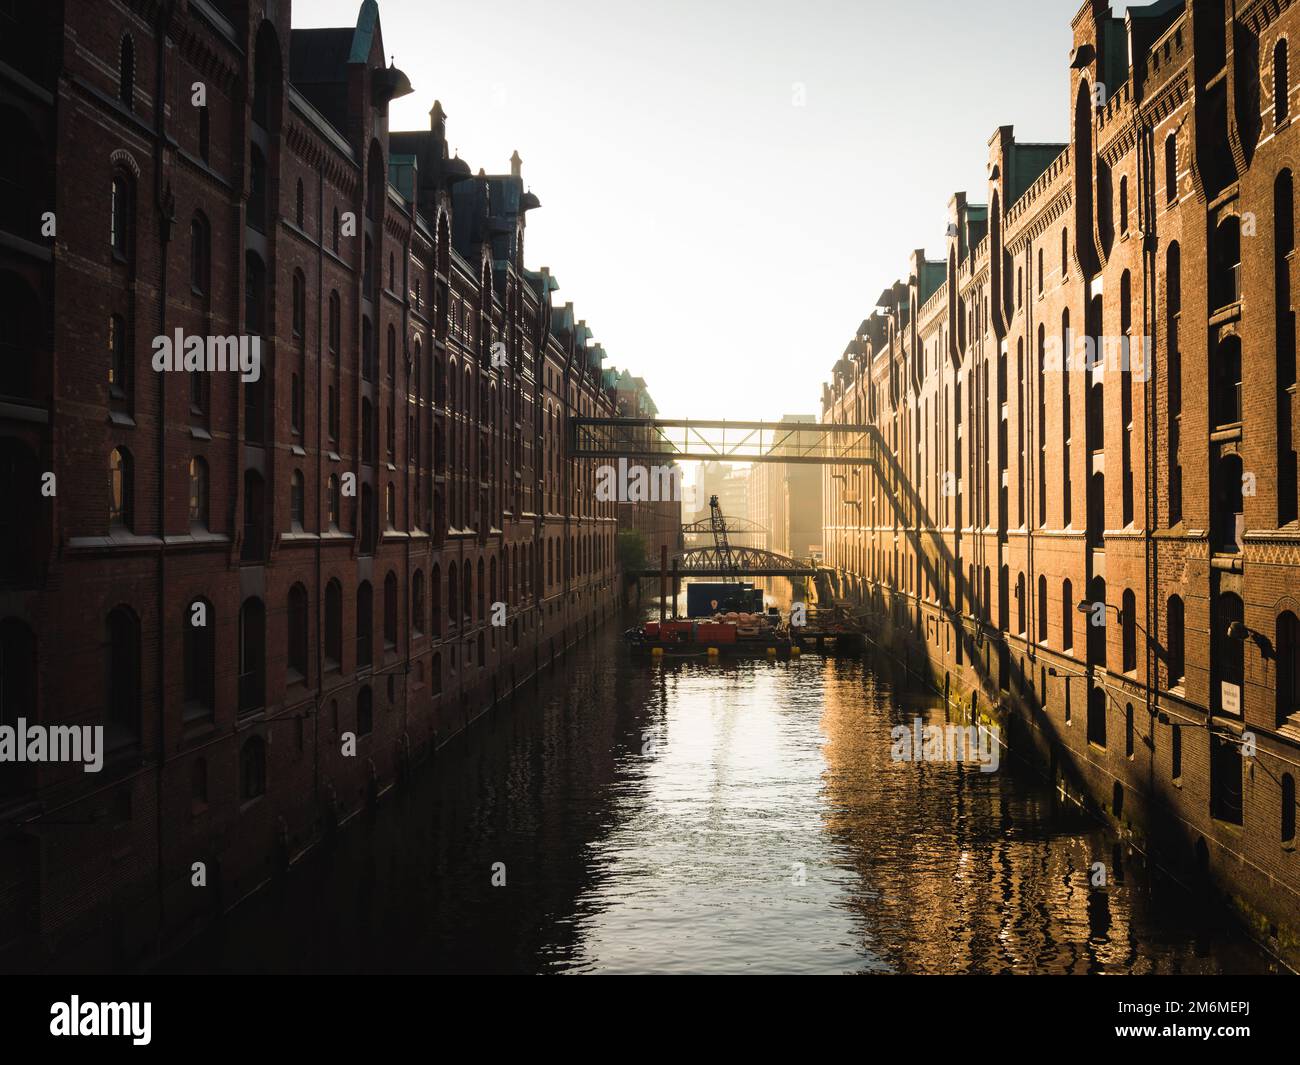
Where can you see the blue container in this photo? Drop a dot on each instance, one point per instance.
(742, 598)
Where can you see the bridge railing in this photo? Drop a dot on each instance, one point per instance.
(722, 441)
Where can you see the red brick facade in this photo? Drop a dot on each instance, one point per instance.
(405, 348)
(1014, 485)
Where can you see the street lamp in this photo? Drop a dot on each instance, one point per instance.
(1086, 607)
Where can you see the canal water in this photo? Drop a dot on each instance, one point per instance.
(621, 816)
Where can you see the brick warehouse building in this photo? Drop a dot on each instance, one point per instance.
(230, 576)
(1014, 488)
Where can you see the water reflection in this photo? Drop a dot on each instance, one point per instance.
(735, 817)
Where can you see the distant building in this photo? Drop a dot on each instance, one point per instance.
(658, 523)
(729, 483)
(786, 498)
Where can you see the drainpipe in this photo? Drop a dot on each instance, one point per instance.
(1146, 182)
(166, 212)
(319, 702)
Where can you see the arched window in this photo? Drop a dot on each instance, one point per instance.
(1281, 84)
(297, 656)
(1128, 627)
(122, 727)
(453, 607)
(126, 73)
(1288, 810)
(1171, 169)
(1097, 715)
(1227, 382)
(1096, 507)
(335, 320)
(1227, 514)
(1287, 641)
(1225, 263)
(252, 769)
(198, 493)
(333, 625)
(435, 597)
(417, 602)
(1067, 615)
(199, 651)
(336, 230)
(121, 216)
(121, 489)
(333, 501)
(1174, 639)
(299, 319)
(468, 605)
(365, 625)
(436, 670)
(1096, 622)
(119, 358)
(299, 206)
(482, 592)
(1123, 205)
(390, 505)
(297, 502)
(252, 655)
(390, 610)
(1228, 653)
(200, 254)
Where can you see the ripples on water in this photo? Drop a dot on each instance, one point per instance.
(741, 817)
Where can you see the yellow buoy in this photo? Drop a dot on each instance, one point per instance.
(713, 652)
(656, 652)
(771, 652)
(794, 650)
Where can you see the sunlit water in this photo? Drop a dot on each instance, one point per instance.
(738, 817)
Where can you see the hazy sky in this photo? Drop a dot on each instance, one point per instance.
(728, 185)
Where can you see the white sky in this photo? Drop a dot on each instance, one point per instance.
(721, 241)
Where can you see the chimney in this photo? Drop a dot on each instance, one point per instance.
(516, 164)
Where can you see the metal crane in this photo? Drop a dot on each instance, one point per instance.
(718, 524)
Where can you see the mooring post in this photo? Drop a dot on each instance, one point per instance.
(663, 581)
(677, 585)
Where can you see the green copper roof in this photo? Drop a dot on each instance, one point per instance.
(367, 23)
